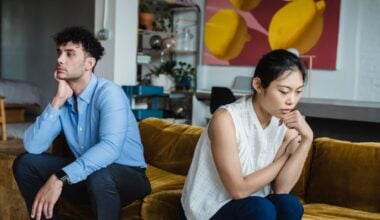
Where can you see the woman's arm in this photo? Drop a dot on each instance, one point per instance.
(298, 150)
(221, 132)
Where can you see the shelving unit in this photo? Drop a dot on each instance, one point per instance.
(147, 101)
(180, 43)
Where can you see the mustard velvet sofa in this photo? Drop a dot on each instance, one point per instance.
(340, 180)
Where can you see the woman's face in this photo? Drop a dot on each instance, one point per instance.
(283, 93)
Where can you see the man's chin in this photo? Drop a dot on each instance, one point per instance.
(61, 76)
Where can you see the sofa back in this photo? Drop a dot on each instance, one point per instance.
(345, 174)
(168, 145)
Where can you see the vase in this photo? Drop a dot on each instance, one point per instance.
(146, 20)
(164, 80)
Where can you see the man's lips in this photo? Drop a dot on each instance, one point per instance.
(60, 70)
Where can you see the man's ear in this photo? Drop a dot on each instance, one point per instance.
(256, 84)
(90, 63)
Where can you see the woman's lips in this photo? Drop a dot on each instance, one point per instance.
(286, 111)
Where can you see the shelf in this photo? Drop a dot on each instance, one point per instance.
(175, 4)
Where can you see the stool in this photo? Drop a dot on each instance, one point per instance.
(3, 119)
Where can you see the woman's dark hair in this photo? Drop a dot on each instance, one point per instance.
(275, 63)
(79, 35)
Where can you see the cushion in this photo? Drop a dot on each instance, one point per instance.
(161, 180)
(167, 145)
(162, 205)
(345, 174)
(323, 211)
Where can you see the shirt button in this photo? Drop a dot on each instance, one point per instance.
(82, 147)
(80, 129)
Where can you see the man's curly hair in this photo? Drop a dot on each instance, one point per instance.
(79, 35)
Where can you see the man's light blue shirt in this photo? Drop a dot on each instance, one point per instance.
(100, 131)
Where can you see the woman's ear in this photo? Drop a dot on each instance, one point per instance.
(256, 84)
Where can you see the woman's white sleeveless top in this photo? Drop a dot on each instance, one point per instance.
(204, 194)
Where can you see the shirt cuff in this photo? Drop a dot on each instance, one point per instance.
(75, 172)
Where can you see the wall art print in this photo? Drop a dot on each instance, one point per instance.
(239, 32)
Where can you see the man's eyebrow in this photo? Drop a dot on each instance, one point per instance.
(67, 50)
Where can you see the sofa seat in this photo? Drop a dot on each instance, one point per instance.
(160, 180)
(318, 211)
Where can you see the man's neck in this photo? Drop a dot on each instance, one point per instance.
(80, 84)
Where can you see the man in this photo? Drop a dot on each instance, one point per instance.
(95, 116)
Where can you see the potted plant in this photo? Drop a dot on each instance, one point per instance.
(170, 73)
(184, 75)
(162, 75)
(146, 14)
(163, 19)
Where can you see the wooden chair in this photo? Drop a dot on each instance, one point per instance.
(3, 119)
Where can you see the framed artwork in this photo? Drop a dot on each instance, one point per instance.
(239, 32)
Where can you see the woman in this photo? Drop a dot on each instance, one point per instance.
(252, 152)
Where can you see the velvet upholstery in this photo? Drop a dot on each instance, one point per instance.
(340, 179)
(345, 174)
(169, 146)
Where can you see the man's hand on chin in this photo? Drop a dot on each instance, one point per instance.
(46, 198)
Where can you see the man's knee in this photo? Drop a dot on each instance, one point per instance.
(100, 180)
(22, 163)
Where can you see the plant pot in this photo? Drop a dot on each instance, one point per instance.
(146, 20)
(163, 80)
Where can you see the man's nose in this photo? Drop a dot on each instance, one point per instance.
(60, 59)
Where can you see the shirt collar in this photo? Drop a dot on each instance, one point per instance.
(87, 93)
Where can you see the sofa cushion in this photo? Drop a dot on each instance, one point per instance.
(323, 211)
(345, 174)
(162, 205)
(167, 145)
(161, 180)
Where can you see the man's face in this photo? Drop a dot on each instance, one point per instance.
(72, 62)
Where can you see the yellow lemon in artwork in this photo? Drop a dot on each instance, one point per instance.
(299, 24)
(245, 5)
(225, 34)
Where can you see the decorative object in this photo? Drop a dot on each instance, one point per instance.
(162, 75)
(184, 76)
(146, 15)
(255, 27)
(162, 19)
(169, 74)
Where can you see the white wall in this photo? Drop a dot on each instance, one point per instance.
(119, 63)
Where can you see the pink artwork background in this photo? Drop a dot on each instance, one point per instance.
(258, 21)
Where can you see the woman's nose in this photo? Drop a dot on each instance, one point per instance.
(290, 99)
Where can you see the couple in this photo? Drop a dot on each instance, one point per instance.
(244, 166)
